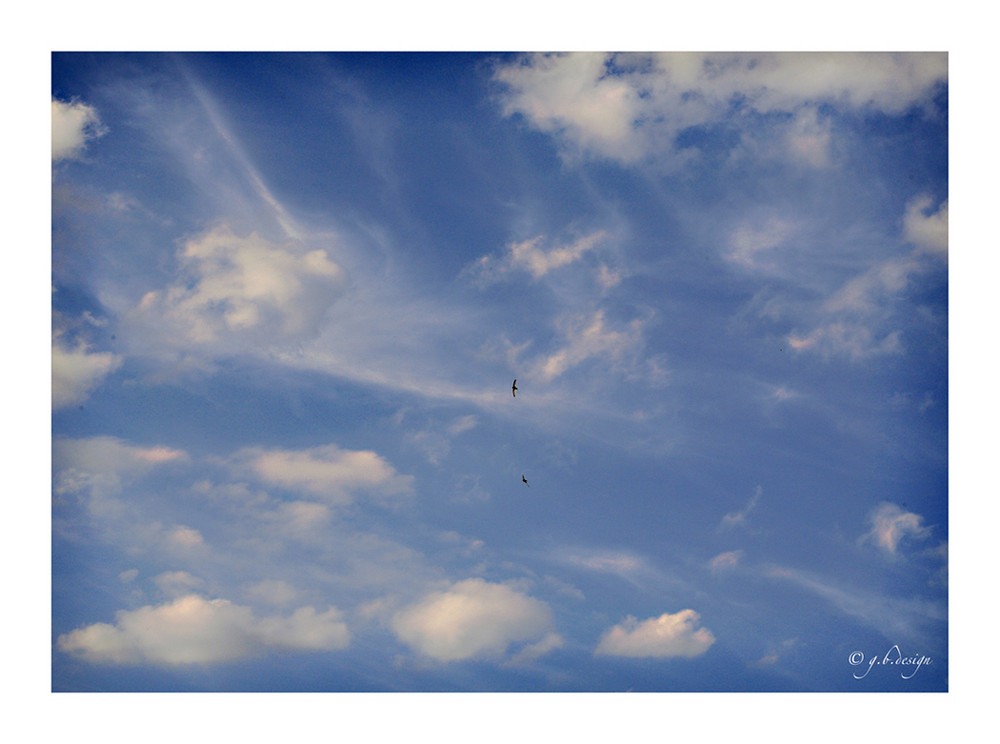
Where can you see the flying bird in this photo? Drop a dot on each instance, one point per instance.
(513, 389)
(525, 480)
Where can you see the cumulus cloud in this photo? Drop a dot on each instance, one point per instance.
(328, 471)
(77, 371)
(891, 525)
(630, 106)
(474, 618)
(74, 123)
(658, 637)
(194, 630)
(242, 289)
(533, 256)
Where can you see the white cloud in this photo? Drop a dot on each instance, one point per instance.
(73, 125)
(177, 583)
(529, 653)
(628, 106)
(809, 138)
(533, 256)
(588, 336)
(77, 371)
(194, 630)
(241, 290)
(927, 229)
(329, 472)
(894, 618)
(851, 338)
(185, 537)
(273, 592)
(853, 319)
(473, 618)
(725, 561)
(659, 637)
(609, 561)
(571, 95)
(750, 239)
(739, 518)
(891, 525)
(101, 466)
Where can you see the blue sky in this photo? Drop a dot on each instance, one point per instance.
(291, 292)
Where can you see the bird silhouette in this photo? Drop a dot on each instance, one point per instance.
(513, 389)
(525, 481)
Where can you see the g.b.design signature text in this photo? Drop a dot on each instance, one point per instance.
(907, 665)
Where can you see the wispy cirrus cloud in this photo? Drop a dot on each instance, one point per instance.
(536, 257)
(895, 618)
(740, 517)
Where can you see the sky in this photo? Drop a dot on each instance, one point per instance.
(290, 295)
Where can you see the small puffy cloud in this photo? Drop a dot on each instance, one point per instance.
(328, 471)
(128, 576)
(73, 124)
(473, 618)
(243, 289)
(534, 257)
(194, 630)
(658, 637)
(77, 371)
(927, 228)
(891, 525)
